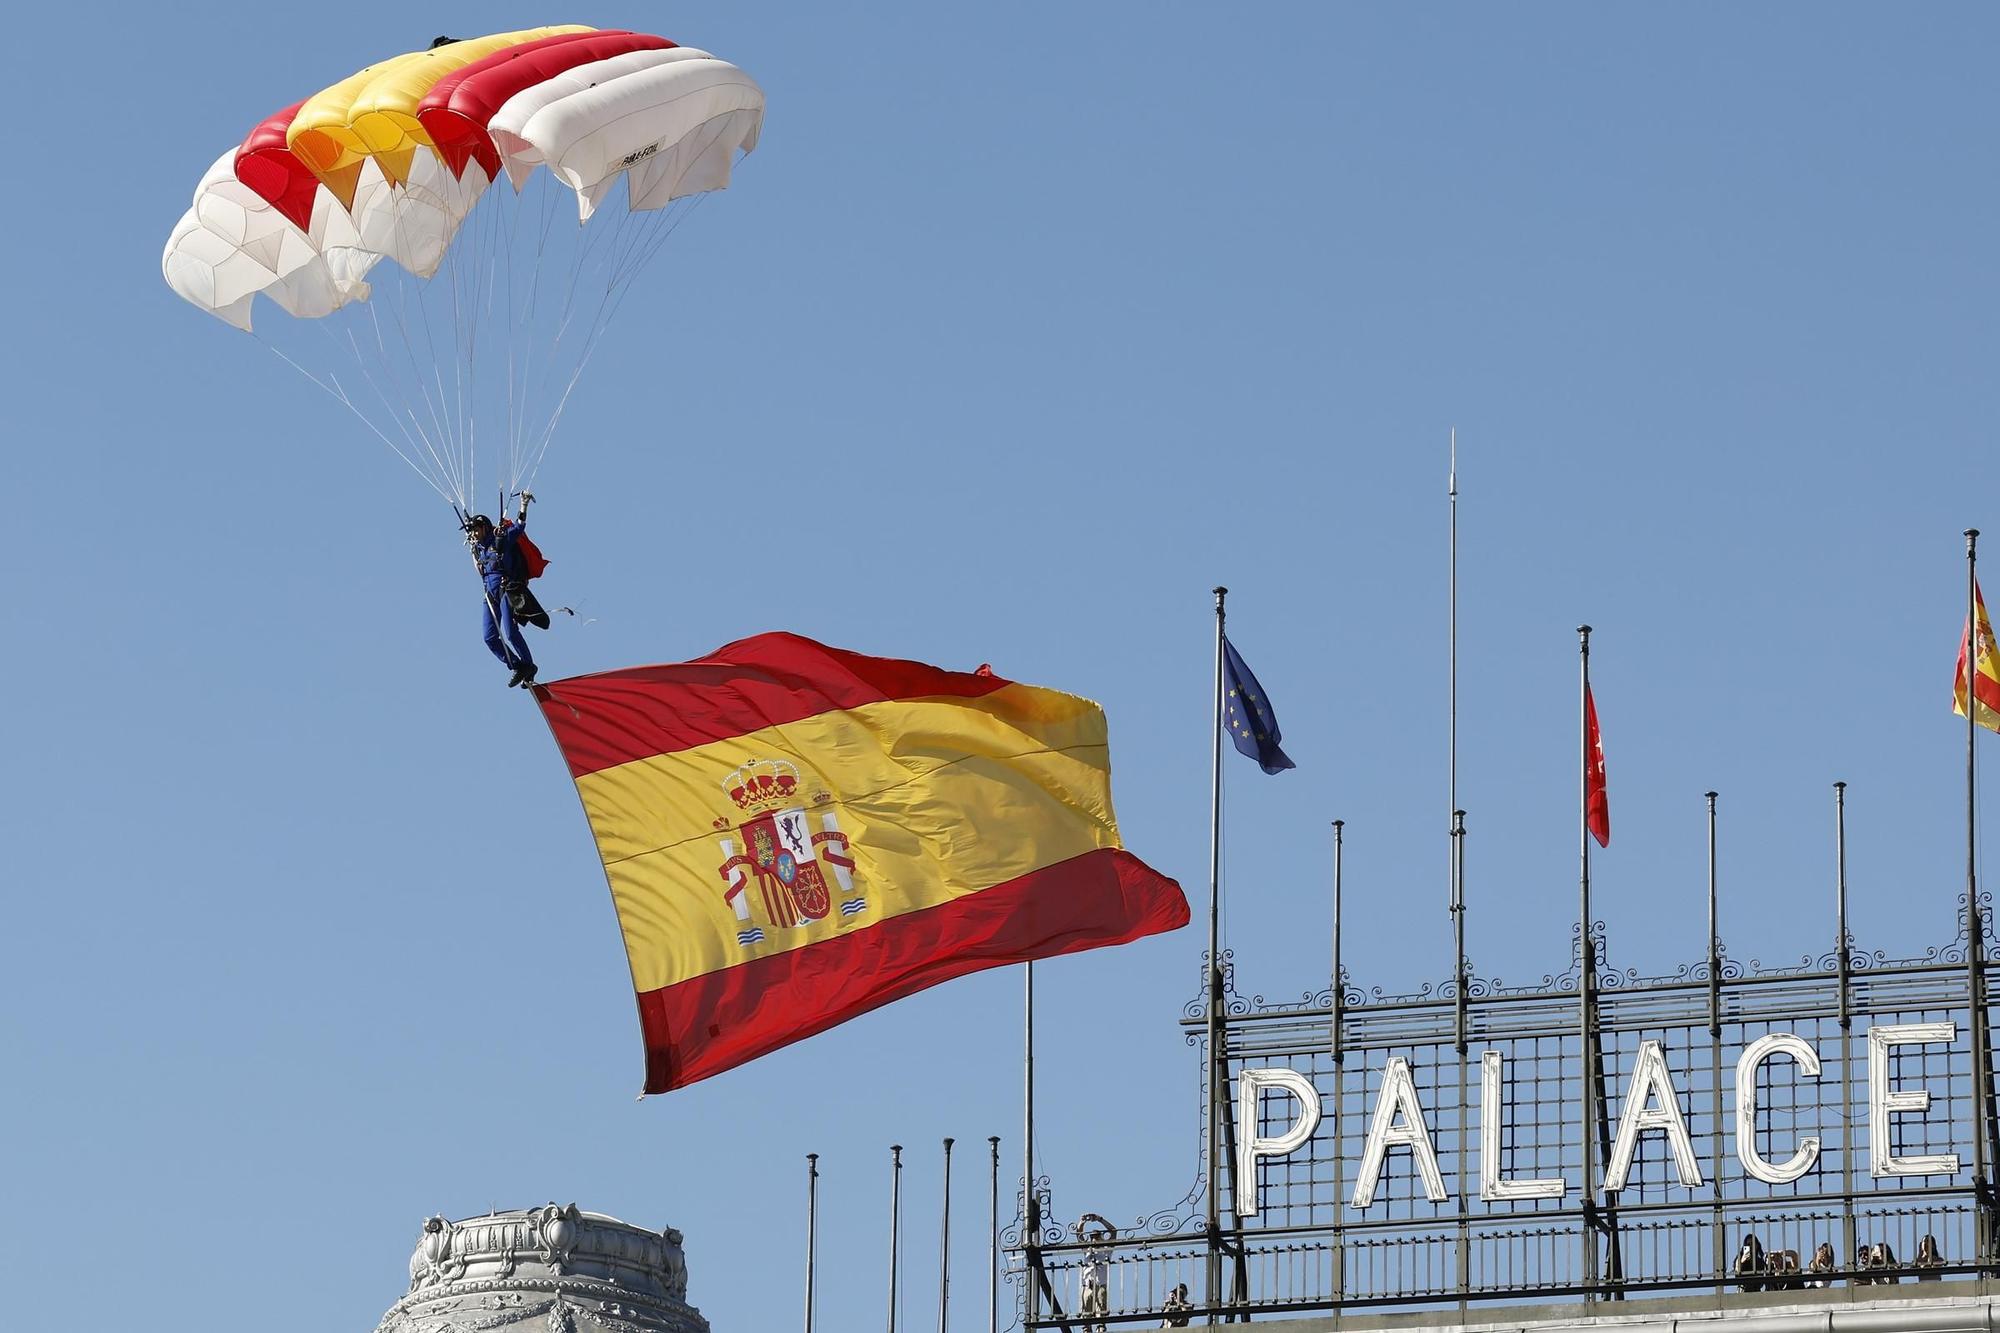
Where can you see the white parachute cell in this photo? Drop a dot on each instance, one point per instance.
(673, 119)
(232, 246)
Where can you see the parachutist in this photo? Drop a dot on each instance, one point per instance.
(506, 560)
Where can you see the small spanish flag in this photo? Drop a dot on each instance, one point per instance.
(795, 835)
(1986, 681)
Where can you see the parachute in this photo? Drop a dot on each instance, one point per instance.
(461, 351)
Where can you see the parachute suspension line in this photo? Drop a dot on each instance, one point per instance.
(464, 334)
(389, 408)
(431, 447)
(448, 428)
(466, 277)
(339, 395)
(659, 227)
(546, 192)
(447, 464)
(441, 408)
(646, 241)
(391, 368)
(418, 380)
(612, 236)
(437, 475)
(590, 240)
(513, 242)
(634, 245)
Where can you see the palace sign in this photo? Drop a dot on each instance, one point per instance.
(1652, 1105)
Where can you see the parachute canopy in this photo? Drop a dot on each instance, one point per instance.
(390, 163)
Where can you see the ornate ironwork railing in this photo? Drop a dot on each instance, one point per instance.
(1310, 1245)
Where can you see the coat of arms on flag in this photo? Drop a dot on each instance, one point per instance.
(775, 863)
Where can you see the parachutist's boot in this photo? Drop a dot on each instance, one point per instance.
(527, 675)
(521, 673)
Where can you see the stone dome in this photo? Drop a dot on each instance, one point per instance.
(551, 1270)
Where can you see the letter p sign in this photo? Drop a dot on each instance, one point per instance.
(1251, 1145)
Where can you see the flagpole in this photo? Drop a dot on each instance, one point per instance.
(812, 1233)
(1842, 963)
(1339, 1064)
(944, 1246)
(1459, 817)
(1458, 927)
(993, 1242)
(1452, 493)
(1975, 944)
(1586, 971)
(1848, 1238)
(1714, 939)
(1719, 1245)
(1216, 1065)
(895, 1229)
(1031, 1219)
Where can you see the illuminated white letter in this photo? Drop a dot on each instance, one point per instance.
(1651, 1081)
(1883, 1103)
(1491, 1187)
(1250, 1085)
(1398, 1096)
(1758, 1051)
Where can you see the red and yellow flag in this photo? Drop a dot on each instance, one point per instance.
(1986, 680)
(795, 835)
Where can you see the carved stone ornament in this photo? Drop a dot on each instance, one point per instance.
(553, 1269)
(676, 1264)
(559, 1228)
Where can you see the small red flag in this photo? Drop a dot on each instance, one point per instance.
(1596, 805)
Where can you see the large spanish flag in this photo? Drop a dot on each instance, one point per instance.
(795, 835)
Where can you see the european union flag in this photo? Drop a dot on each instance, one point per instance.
(1247, 713)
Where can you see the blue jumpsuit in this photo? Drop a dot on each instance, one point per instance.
(499, 561)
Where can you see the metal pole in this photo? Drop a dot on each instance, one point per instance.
(1339, 1072)
(895, 1231)
(1339, 988)
(1031, 1216)
(944, 1246)
(1719, 1243)
(993, 1252)
(1848, 1237)
(1463, 1239)
(1842, 963)
(1586, 969)
(1452, 493)
(1458, 925)
(812, 1234)
(1459, 903)
(1216, 1067)
(1975, 944)
(1714, 939)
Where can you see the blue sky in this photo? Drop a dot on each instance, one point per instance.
(1058, 316)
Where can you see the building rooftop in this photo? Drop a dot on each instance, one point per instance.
(555, 1269)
